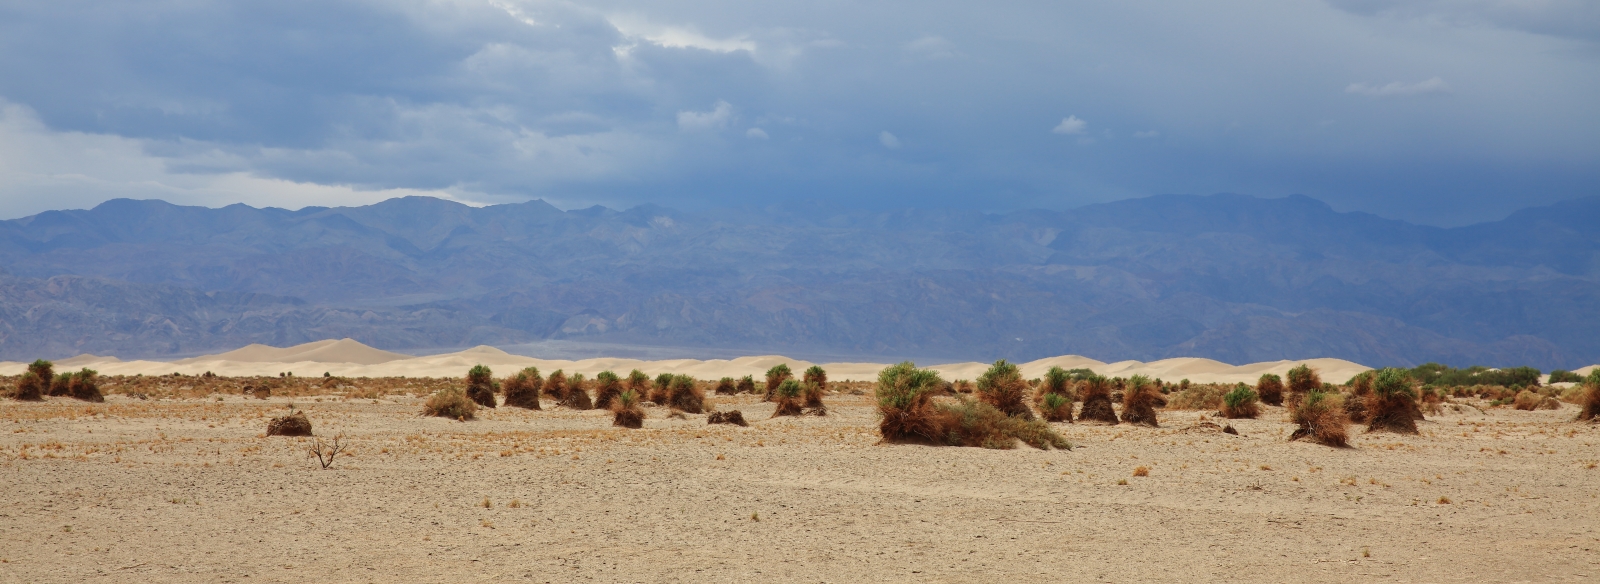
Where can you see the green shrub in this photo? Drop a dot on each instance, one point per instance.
(1055, 407)
(660, 389)
(480, 386)
(1302, 380)
(775, 377)
(576, 396)
(1321, 418)
(815, 374)
(1564, 376)
(522, 389)
(1270, 389)
(1139, 401)
(684, 394)
(1392, 403)
(747, 384)
(607, 386)
(626, 410)
(977, 423)
(1096, 393)
(726, 386)
(1002, 386)
(1240, 403)
(787, 394)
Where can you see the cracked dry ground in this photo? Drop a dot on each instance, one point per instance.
(192, 491)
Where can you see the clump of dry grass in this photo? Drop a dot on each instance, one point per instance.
(747, 384)
(61, 386)
(1302, 380)
(1096, 393)
(1202, 396)
(1355, 407)
(1392, 402)
(576, 397)
(1002, 386)
(970, 422)
(556, 385)
(29, 388)
(626, 411)
(1139, 402)
(295, 424)
(905, 409)
(1240, 403)
(787, 395)
(1270, 389)
(1055, 407)
(734, 417)
(1527, 401)
(661, 389)
(726, 386)
(85, 385)
(638, 383)
(481, 386)
(1591, 398)
(1321, 418)
(813, 399)
(607, 387)
(522, 389)
(684, 394)
(451, 402)
(815, 374)
(775, 377)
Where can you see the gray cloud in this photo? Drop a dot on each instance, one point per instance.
(620, 102)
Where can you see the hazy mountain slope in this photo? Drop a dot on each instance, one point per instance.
(1228, 277)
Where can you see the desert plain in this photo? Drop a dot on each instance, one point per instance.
(183, 485)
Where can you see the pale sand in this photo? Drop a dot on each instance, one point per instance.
(190, 491)
(352, 359)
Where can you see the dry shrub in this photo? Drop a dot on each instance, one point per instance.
(726, 386)
(1270, 389)
(734, 417)
(1302, 380)
(1527, 401)
(788, 398)
(661, 389)
(1002, 386)
(747, 384)
(1139, 402)
(61, 386)
(1206, 396)
(1240, 403)
(556, 385)
(85, 385)
(1055, 407)
(905, 408)
(977, 423)
(684, 394)
(607, 387)
(295, 424)
(775, 377)
(522, 389)
(451, 402)
(576, 397)
(638, 382)
(1591, 398)
(626, 411)
(1096, 392)
(1321, 418)
(1392, 402)
(29, 388)
(481, 386)
(1355, 406)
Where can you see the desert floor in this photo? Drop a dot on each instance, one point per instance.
(192, 491)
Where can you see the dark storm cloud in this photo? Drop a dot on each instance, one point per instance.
(1441, 111)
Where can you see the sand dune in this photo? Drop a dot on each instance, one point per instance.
(350, 358)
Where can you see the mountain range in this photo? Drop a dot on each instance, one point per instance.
(1228, 277)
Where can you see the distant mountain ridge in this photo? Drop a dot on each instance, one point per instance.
(1227, 277)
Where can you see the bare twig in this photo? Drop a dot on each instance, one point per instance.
(326, 452)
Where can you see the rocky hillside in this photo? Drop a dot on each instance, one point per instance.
(1228, 277)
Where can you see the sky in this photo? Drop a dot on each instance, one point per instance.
(1442, 112)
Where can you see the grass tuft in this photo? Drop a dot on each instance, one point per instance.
(1270, 389)
(1321, 419)
(1139, 401)
(450, 402)
(1393, 400)
(1240, 403)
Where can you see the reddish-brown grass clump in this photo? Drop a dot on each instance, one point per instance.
(1139, 402)
(788, 398)
(1002, 386)
(85, 385)
(815, 374)
(295, 424)
(576, 396)
(522, 389)
(1591, 398)
(1054, 396)
(734, 417)
(726, 386)
(626, 411)
(61, 386)
(775, 377)
(1240, 403)
(1096, 393)
(1270, 389)
(638, 383)
(29, 388)
(684, 394)
(1302, 380)
(905, 407)
(607, 387)
(661, 389)
(1527, 401)
(747, 384)
(1393, 399)
(975, 423)
(1321, 419)
(556, 385)
(1355, 406)
(481, 386)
